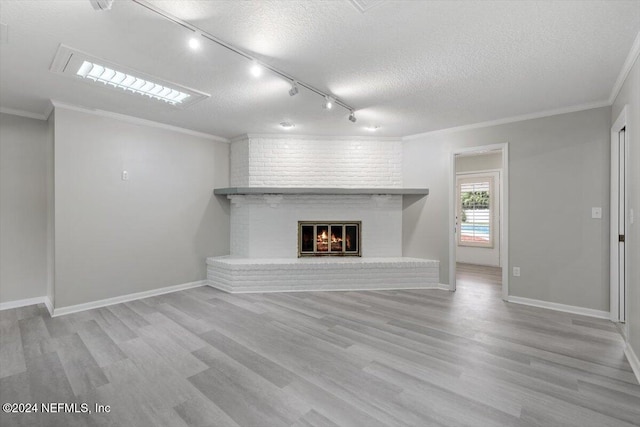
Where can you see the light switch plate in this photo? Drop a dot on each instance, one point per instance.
(596, 213)
(516, 271)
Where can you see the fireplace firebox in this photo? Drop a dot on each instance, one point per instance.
(328, 238)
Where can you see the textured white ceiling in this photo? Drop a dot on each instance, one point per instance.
(406, 66)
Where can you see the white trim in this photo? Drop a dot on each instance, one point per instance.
(125, 298)
(246, 136)
(137, 120)
(614, 297)
(478, 172)
(49, 305)
(600, 314)
(438, 286)
(453, 205)
(23, 303)
(530, 116)
(49, 110)
(504, 221)
(626, 68)
(504, 212)
(633, 360)
(23, 113)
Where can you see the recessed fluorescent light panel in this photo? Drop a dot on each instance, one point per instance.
(95, 70)
(287, 125)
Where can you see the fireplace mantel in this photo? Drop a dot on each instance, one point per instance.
(230, 191)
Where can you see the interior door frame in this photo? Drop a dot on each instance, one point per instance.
(618, 125)
(504, 212)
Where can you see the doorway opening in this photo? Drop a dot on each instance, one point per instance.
(478, 213)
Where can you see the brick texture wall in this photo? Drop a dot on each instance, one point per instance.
(304, 162)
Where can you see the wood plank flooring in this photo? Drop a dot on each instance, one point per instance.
(201, 357)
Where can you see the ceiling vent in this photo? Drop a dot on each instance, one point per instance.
(97, 71)
(365, 5)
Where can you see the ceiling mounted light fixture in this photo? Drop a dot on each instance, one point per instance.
(372, 128)
(118, 79)
(294, 89)
(194, 43)
(84, 67)
(256, 68)
(328, 102)
(101, 4)
(352, 116)
(287, 125)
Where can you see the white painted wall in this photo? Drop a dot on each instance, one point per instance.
(115, 237)
(630, 95)
(479, 162)
(23, 208)
(562, 161)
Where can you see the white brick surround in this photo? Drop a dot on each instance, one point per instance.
(264, 227)
(267, 226)
(316, 274)
(259, 161)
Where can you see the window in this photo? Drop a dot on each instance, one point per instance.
(475, 211)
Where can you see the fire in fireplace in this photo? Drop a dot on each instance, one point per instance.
(328, 238)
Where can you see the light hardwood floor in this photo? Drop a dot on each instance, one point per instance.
(201, 357)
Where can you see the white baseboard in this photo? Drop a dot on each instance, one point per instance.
(559, 307)
(23, 303)
(633, 360)
(443, 286)
(49, 304)
(125, 298)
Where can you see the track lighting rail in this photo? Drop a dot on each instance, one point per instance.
(293, 80)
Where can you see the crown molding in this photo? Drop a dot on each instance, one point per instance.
(49, 109)
(23, 113)
(137, 120)
(626, 68)
(531, 116)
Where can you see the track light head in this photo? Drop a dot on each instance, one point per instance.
(256, 68)
(194, 43)
(294, 89)
(101, 4)
(352, 116)
(328, 103)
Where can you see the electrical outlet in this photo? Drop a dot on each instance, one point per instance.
(125, 176)
(596, 213)
(516, 271)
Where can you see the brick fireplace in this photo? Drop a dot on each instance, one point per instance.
(282, 188)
